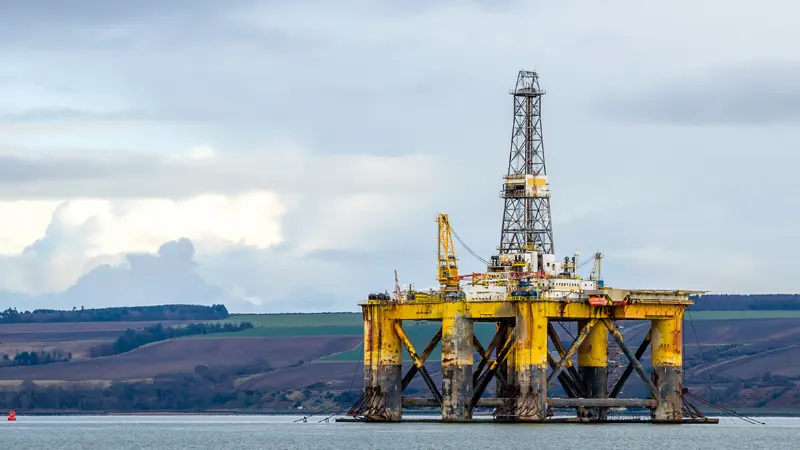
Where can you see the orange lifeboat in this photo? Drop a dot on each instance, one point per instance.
(12, 415)
(597, 301)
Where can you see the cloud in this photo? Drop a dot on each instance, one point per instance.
(168, 276)
(81, 233)
(750, 94)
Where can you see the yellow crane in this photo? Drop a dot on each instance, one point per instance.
(448, 267)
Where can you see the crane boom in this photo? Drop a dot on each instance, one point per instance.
(448, 266)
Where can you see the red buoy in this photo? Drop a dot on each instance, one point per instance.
(12, 415)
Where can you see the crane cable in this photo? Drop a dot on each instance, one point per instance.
(469, 250)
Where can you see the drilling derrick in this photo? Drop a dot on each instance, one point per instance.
(526, 217)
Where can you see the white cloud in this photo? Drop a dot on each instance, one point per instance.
(84, 232)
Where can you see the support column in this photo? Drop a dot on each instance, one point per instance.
(382, 366)
(593, 366)
(506, 368)
(667, 358)
(457, 362)
(531, 362)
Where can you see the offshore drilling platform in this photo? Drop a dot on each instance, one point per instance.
(525, 291)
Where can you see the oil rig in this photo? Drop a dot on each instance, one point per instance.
(525, 291)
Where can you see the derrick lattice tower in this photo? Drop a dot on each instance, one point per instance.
(527, 222)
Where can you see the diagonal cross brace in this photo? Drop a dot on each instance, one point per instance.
(566, 382)
(486, 354)
(483, 381)
(632, 358)
(417, 362)
(571, 351)
(628, 370)
(576, 377)
(427, 352)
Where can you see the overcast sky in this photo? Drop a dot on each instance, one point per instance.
(303, 149)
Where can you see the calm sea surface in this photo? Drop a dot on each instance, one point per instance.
(278, 432)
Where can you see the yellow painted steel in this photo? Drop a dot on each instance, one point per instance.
(531, 337)
(489, 310)
(667, 341)
(448, 266)
(593, 351)
(370, 356)
(407, 342)
(390, 350)
(452, 354)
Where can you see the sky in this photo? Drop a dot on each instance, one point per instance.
(289, 156)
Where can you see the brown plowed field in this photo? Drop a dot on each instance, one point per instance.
(71, 331)
(183, 355)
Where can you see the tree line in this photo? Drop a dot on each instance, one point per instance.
(133, 339)
(26, 358)
(116, 314)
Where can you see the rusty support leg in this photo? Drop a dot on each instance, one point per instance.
(628, 370)
(390, 369)
(427, 352)
(383, 396)
(457, 362)
(593, 366)
(418, 363)
(530, 403)
(667, 361)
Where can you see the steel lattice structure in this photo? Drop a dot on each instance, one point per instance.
(526, 219)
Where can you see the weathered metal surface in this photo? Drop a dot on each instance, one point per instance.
(558, 310)
(668, 384)
(457, 361)
(528, 399)
(595, 383)
(667, 359)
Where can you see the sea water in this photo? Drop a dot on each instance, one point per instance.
(281, 432)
